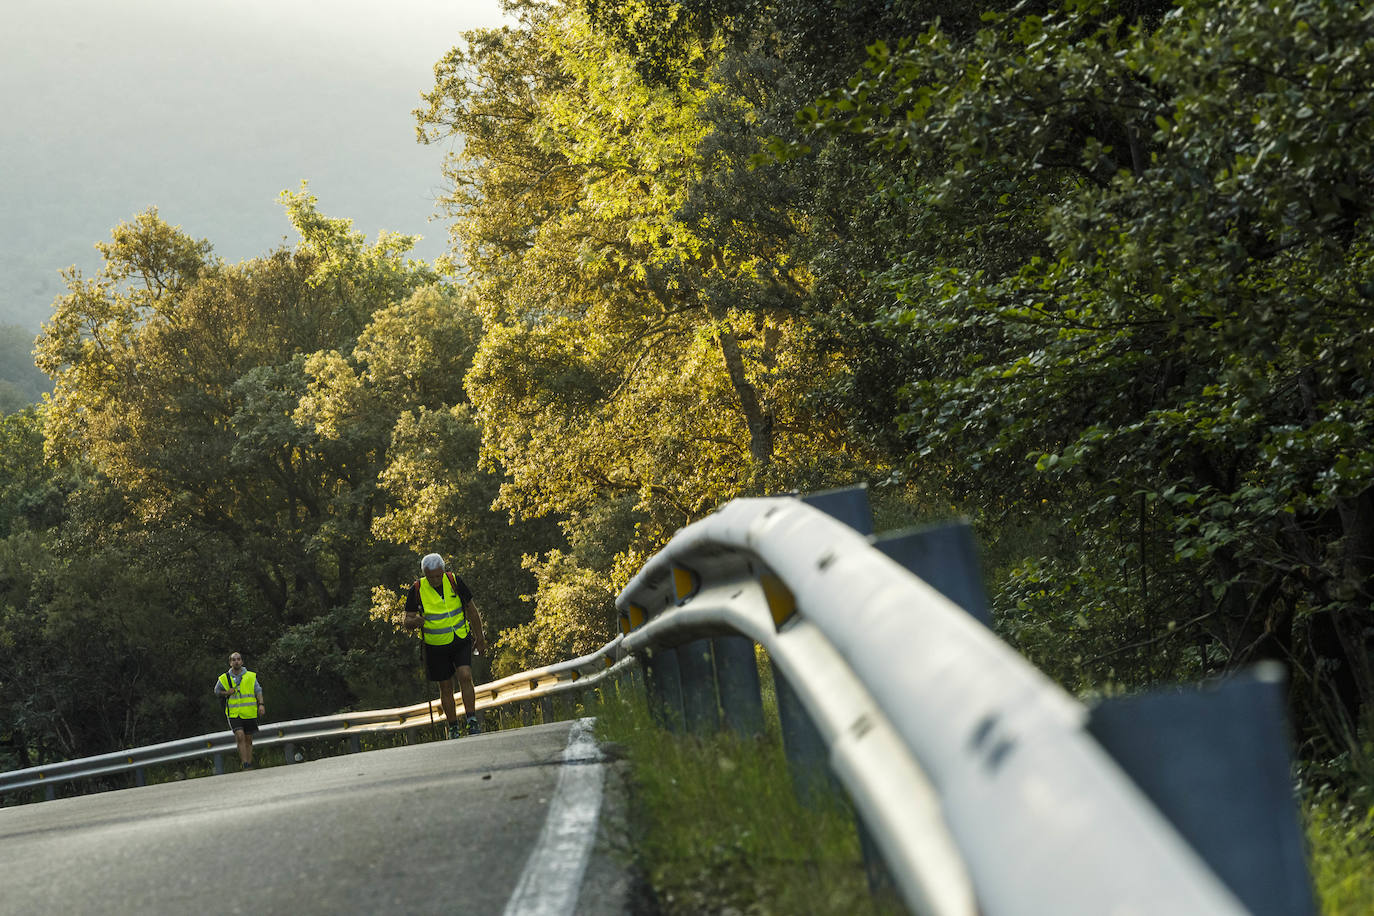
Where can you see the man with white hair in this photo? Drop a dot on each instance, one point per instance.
(440, 604)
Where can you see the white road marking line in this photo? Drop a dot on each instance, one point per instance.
(552, 877)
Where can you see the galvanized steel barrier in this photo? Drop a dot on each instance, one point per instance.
(970, 769)
(539, 685)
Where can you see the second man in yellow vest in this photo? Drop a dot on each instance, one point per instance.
(241, 692)
(440, 605)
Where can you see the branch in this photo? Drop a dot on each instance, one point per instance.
(1152, 640)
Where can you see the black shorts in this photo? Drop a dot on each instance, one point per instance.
(442, 661)
(247, 726)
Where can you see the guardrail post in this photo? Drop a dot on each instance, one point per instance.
(49, 792)
(807, 756)
(946, 558)
(737, 674)
(1215, 761)
(289, 752)
(546, 709)
(845, 504)
(527, 713)
(354, 745)
(880, 883)
(700, 707)
(665, 689)
(630, 682)
(140, 776)
(218, 764)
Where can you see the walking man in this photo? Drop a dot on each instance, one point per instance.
(440, 603)
(242, 693)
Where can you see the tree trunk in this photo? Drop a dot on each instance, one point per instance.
(758, 420)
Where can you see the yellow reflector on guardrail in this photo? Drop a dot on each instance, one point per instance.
(781, 602)
(685, 583)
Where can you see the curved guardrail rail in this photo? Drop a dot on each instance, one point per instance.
(968, 765)
(528, 686)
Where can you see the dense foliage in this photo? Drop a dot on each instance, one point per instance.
(1162, 302)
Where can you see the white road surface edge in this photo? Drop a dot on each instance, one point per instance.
(552, 877)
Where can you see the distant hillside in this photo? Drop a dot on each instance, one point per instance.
(21, 383)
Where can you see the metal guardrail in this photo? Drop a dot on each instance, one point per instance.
(535, 685)
(969, 767)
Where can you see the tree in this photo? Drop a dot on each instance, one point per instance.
(399, 399)
(634, 348)
(1177, 363)
(179, 377)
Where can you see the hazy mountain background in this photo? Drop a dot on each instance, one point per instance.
(208, 110)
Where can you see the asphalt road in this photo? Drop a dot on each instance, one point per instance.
(492, 824)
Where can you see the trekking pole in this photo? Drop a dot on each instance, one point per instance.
(428, 701)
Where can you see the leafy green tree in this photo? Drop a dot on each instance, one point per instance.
(398, 398)
(632, 348)
(1177, 365)
(626, 349)
(178, 378)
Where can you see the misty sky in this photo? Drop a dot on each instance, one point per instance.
(208, 109)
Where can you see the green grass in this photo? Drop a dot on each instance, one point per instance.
(716, 828)
(1341, 850)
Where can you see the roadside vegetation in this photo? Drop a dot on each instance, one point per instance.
(1341, 838)
(716, 826)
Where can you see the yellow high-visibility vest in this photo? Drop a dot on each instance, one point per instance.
(443, 614)
(243, 703)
